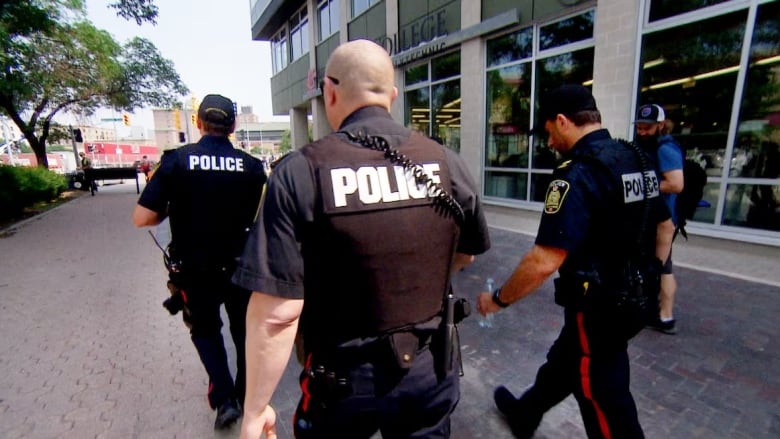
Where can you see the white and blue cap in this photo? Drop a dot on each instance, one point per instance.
(650, 113)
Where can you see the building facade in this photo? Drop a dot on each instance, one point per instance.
(471, 72)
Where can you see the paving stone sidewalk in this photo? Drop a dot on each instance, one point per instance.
(87, 351)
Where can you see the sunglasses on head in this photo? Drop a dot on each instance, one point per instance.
(332, 79)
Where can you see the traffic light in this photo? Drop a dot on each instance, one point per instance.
(176, 120)
(126, 119)
(77, 135)
(194, 119)
(181, 137)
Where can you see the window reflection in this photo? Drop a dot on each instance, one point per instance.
(509, 112)
(512, 47)
(660, 9)
(445, 107)
(756, 206)
(696, 85)
(506, 185)
(567, 31)
(759, 122)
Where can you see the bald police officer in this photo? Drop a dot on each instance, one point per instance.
(600, 195)
(211, 192)
(349, 238)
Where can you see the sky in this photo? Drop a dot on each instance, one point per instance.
(210, 45)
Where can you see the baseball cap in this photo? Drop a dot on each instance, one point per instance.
(217, 109)
(650, 113)
(567, 99)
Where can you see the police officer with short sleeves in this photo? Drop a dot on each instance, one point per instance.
(350, 244)
(600, 194)
(211, 193)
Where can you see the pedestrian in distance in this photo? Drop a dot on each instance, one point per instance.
(353, 247)
(211, 193)
(145, 166)
(602, 219)
(651, 135)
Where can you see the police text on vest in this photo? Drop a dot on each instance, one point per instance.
(378, 184)
(634, 184)
(216, 163)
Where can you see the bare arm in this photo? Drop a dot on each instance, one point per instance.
(535, 267)
(145, 217)
(672, 182)
(461, 261)
(271, 324)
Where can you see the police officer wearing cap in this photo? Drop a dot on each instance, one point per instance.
(211, 193)
(591, 224)
(350, 245)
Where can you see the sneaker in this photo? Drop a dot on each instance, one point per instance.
(521, 425)
(227, 414)
(667, 327)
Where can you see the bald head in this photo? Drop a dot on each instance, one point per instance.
(365, 76)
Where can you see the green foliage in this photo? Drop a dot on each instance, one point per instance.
(256, 150)
(55, 60)
(22, 187)
(285, 145)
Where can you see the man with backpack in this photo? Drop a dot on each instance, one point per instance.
(651, 136)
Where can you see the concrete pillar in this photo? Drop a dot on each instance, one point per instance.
(614, 63)
(299, 128)
(472, 101)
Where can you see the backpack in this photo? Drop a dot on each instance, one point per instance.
(694, 179)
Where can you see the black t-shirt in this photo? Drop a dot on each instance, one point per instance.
(211, 192)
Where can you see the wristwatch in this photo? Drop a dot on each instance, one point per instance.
(497, 298)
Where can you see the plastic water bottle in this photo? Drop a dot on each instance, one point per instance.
(487, 321)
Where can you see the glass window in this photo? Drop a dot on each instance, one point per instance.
(504, 184)
(753, 205)
(433, 108)
(328, 11)
(360, 6)
(279, 51)
(755, 153)
(660, 9)
(567, 31)
(695, 85)
(416, 75)
(446, 66)
(418, 111)
(511, 47)
(509, 116)
(445, 108)
(299, 34)
(568, 68)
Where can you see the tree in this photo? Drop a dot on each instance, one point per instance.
(285, 145)
(54, 60)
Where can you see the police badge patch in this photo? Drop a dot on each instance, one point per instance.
(556, 192)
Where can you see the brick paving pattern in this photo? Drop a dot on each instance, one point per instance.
(87, 351)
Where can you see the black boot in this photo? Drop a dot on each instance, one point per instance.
(227, 414)
(522, 423)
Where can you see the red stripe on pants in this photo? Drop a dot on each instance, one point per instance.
(585, 377)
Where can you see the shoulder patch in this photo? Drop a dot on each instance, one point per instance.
(564, 165)
(556, 193)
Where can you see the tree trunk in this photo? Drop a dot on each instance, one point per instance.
(39, 148)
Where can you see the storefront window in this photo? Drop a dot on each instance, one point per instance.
(418, 110)
(757, 151)
(660, 9)
(433, 106)
(696, 85)
(512, 47)
(512, 168)
(570, 30)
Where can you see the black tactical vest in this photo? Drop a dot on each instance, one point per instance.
(378, 254)
(615, 233)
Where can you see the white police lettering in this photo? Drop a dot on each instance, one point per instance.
(216, 163)
(633, 186)
(375, 184)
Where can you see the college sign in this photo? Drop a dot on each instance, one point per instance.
(429, 36)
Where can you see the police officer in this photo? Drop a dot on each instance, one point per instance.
(211, 192)
(591, 224)
(349, 239)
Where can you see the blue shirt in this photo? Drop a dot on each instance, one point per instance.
(670, 158)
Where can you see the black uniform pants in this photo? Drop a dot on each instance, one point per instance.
(589, 360)
(411, 403)
(203, 293)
